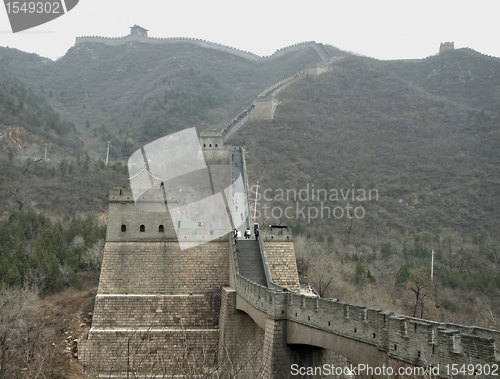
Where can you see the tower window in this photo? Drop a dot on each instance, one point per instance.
(142, 228)
(124, 228)
(161, 229)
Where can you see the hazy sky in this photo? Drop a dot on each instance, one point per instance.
(382, 29)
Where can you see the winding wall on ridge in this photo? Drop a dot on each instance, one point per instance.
(322, 52)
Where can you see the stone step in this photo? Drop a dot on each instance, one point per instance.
(250, 261)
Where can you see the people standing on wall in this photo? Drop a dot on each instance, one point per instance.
(257, 234)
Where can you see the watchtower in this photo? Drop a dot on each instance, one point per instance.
(127, 223)
(136, 30)
(446, 47)
(157, 306)
(214, 152)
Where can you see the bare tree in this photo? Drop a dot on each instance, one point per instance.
(420, 284)
(323, 282)
(29, 162)
(17, 196)
(92, 257)
(23, 353)
(145, 358)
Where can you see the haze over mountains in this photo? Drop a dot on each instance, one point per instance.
(424, 133)
(134, 93)
(440, 112)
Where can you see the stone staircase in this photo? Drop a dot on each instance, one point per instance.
(250, 261)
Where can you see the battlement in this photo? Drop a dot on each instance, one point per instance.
(446, 47)
(273, 233)
(144, 38)
(128, 223)
(415, 341)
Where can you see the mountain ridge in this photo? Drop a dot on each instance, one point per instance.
(428, 143)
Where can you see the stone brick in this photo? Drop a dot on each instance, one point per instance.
(283, 264)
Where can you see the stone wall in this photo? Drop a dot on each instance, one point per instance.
(241, 340)
(283, 264)
(214, 151)
(405, 339)
(171, 351)
(117, 41)
(264, 109)
(162, 268)
(125, 220)
(156, 310)
(315, 71)
(446, 47)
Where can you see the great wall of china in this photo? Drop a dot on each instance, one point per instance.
(226, 309)
(323, 53)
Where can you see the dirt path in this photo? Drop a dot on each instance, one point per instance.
(67, 316)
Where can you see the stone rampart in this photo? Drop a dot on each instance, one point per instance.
(241, 339)
(410, 340)
(117, 41)
(490, 57)
(162, 268)
(156, 310)
(264, 108)
(282, 82)
(283, 264)
(127, 223)
(156, 351)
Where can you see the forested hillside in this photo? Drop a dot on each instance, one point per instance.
(421, 137)
(432, 168)
(464, 76)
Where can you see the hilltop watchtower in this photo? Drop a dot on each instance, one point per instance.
(446, 47)
(157, 306)
(136, 30)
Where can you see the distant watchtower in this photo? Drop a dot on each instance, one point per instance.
(136, 30)
(213, 149)
(446, 47)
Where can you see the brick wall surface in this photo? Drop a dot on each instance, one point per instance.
(164, 310)
(155, 352)
(240, 342)
(157, 308)
(162, 268)
(283, 264)
(276, 360)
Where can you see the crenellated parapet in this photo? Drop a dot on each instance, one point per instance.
(446, 47)
(482, 55)
(117, 41)
(281, 83)
(411, 340)
(138, 38)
